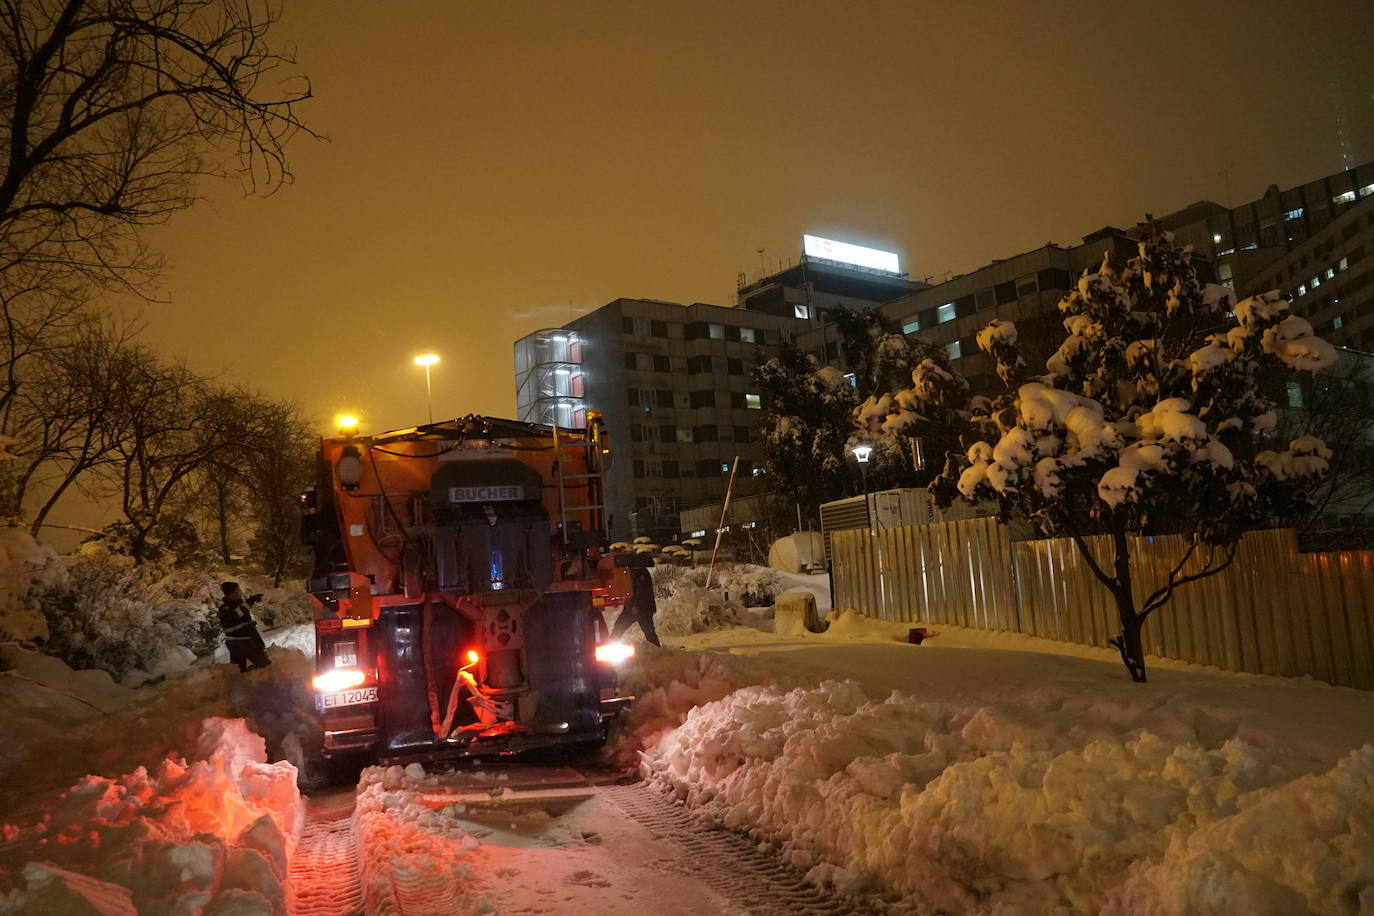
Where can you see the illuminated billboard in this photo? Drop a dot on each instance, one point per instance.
(830, 250)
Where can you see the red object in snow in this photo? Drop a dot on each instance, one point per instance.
(916, 634)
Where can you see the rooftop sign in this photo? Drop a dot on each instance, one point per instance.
(845, 253)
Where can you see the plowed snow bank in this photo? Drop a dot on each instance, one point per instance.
(971, 809)
(214, 832)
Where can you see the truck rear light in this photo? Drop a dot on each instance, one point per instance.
(338, 679)
(613, 653)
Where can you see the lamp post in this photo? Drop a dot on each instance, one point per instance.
(862, 452)
(427, 360)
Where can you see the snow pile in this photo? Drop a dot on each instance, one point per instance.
(667, 685)
(59, 724)
(300, 637)
(214, 832)
(411, 857)
(965, 808)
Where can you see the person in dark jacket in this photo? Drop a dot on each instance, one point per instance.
(640, 607)
(241, 637)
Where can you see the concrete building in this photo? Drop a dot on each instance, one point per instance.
(1329, 277)
(673, 381)
(1293, 239)
(1244, 241)
(812, 288)
(1025, 288)
(673, 384)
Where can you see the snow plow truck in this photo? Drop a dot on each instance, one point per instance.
(460, 576)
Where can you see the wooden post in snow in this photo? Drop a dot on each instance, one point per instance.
(724, 514)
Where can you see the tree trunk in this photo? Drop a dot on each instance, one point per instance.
(138, 546)
(223, 527)
(1128, 643)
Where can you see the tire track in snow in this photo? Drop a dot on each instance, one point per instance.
(322, 879)
(727, 862)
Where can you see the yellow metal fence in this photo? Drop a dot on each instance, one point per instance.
(1273, 611)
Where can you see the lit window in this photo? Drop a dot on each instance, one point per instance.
(911, 325)
(954, 350)
(1293, 214)
(852, 379)
(1252, 246)
(1316, 281)
(1367, 190)
(1227, 251)
(1347, 197)
(801, 311)
(717, 331)
(1294, 394)
(752, 402)
(1330, 272)
(1216, 237)
(944, 313)
(746, 335)
(725, 469)
(684, 434)
(759, 472)
(1338, 322)
(1302, 289)
(1345, 262)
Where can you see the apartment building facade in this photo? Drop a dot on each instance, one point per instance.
(672, 383)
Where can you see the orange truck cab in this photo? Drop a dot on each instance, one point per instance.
(460, 574)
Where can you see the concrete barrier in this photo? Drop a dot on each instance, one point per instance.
(795, 614)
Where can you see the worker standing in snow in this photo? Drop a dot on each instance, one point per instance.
(241, 635)
(640, 607)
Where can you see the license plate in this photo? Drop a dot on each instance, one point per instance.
(348, 697)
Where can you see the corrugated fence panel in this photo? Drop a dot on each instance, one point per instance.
(1273, 611)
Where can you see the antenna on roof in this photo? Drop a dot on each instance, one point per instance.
(763, 265)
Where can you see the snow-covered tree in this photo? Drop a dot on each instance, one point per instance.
(916, 424)
(1150, 419)
(805, 424)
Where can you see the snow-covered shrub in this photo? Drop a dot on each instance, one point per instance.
(686, 606)
(696, 609)
(24, 563)
(118, 616)
(749, 585)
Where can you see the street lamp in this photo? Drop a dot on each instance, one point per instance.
(427, 360)
(862, 452)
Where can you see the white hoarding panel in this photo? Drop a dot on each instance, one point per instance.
(831, 250)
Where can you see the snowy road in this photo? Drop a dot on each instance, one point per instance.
(556, 843)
